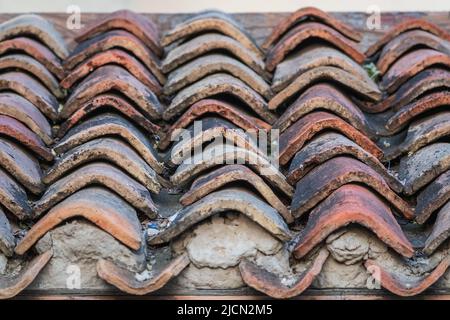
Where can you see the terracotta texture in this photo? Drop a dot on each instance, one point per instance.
(36, 50)
(352, 204)
(432, 197)
(21, 165)
(19, 108)
(115, 39)
(311, 57)
(404, 26)
(110, 125)
(411, 64)
(273, 286)
(441, 230)
(126, 280)
(117, 57)
(295, 137)
(97, 173)
(110, 150)
(208, 42)
(320, 182)
(38, 27)
(97, 205)
(32, 90)
(135, 23)
(361, 89)
(11, 286)
(216, 21)
(108, 102)
(219, 83)
(229, 174)
(109, 78)
(425, 81)
(7, 240)
(323, 96)
(423, 166)
(408, 286)
(204, 107)
(305, 14)
(14, 129)
(27, 64)
(329, 145)
(308, 30)
(214, 156)
(229, 199)
(403, 43)
(210, 64)
(13, 197)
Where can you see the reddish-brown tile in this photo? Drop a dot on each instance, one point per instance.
(432, 197)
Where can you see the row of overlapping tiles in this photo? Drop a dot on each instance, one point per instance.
(350, 150)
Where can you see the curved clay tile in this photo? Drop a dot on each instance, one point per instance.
(21, 165)
(311, 57)
(274, 286)
(97, 173)
(215, 155)
(321, 181)
(135, 23)
(32, 90)
(407, 286)
(215, 21)
(329, 145)
(309, 13)
(116, 57)
(294, 138)
(14, 129)
(115, 78)
(208, 43)
(112, 125)
(404, 26)
(423, 166)
(223, 176)
(411, 64)
(323, 96)
(217, 108)
(303, 33)
(19, 108)
(7, 240)
(116, 39)
(427, 80)
(441, 230)
(432, 197)
(11, 286)
(421, 133)
(100, 206)
(110, 150)
(352, 204)
(37, 27)
(230, 199)
(36, 50)
(210, 64)
(407, 41)
(219, 83)
(126, 280)
(212, 130)
(29, 65)
(336, 75)
(424, 104)
(108, 102)
(13, 197)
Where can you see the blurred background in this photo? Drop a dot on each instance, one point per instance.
(178, 6)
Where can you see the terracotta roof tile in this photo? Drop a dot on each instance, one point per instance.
(216, 21)
(13, 197)
(305, 14)
(441, 230)
(135, 23)
(7, 241)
